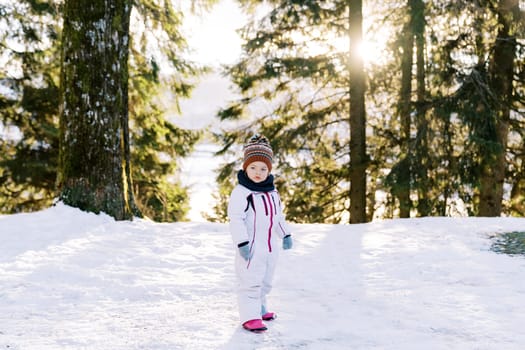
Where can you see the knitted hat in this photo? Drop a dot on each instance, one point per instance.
(258, 149)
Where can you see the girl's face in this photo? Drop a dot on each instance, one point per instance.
(257, 171)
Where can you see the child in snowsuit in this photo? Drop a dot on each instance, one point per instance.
(258, 229)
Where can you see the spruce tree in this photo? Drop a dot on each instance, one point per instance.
(29, 97)
(500, 78)
(94, 167)
(295, 83)
(485, 93)
(358, 157)
(28, 164)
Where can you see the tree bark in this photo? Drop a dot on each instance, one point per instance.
(501, 70)
(402, 191)
(517, 193)
(422, 161)
(94, 169)
(358, 157)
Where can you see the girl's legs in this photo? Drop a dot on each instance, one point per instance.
(249, 289)
(267, 283)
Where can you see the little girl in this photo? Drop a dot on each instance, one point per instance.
(258, 226)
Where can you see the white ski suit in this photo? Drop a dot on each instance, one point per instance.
(256, 217)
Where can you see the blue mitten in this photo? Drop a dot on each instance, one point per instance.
(244, 250)
(287, 242)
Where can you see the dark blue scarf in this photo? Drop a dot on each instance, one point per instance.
(264, 186)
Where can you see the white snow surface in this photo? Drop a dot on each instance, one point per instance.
(75, 280)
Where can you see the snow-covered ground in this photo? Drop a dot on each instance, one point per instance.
(74, 280)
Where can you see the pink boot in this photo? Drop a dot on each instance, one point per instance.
(256, 326)
(269, 316)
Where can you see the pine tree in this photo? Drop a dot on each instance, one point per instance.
(358, 157)
(28, 105)
(157, 143)
(443, 169)
(422, 159)
(28, 165)
(411, 172)
(401, 186)
(500, 78)
(296, 83)
(94, 167)
(487, 100)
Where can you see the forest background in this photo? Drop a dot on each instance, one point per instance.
(374, 109)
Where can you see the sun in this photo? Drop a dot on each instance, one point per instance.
(372, 52)
(371, 49)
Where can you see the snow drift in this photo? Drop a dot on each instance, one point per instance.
(74, 280)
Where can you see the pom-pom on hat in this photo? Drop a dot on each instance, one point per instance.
(258, 149)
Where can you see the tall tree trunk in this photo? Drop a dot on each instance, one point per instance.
(422, 161)
(501, 70)
(402, 191)
(94, 148)
(358, 158)
(517, 193)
